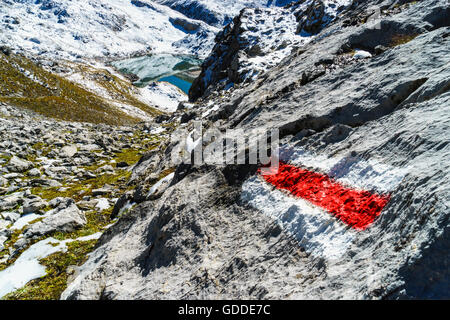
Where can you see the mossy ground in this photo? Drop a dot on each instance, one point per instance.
(399, 39)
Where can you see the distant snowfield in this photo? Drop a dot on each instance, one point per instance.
(101, 28)
(316, 230)
(219, 12)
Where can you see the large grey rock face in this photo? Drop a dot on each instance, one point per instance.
(204, 238)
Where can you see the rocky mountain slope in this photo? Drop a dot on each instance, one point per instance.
(258, 39)
(363, 113)
(94, 205)
(59, 182)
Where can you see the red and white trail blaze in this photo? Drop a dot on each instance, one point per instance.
(323, 201)
(357, 208)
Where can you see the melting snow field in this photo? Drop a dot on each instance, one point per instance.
(27, 266)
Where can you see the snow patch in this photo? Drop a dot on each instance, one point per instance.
(163, 96)
(27, 266)
(25, 220)
(102, 204)
(361, 54)
(167, 179)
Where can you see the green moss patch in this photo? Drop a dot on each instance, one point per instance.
(399, 39)
(96, 221)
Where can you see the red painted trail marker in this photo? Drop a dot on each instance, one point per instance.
(356, 208)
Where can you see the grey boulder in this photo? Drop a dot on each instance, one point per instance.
(68, 219)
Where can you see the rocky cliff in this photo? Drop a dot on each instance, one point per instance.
(363, 110)
(259, 38)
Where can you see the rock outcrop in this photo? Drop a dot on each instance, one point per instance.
(378, 124)
(258, 39)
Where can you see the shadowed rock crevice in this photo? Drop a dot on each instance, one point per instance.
(345, 115)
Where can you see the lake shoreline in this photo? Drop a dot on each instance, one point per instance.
(176, 69)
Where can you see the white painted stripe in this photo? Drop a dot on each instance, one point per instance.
(370, 175)
(317, 231)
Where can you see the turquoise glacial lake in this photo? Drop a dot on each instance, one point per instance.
(179, 70)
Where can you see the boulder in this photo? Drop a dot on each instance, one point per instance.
(34, 173)
(61, 202)
(16, 164)
(11, 201)
(186, 25)
(11, 216)
(34, 205)
(3, 182)
(122, 164)
(3, 239)
(106, 168)
(68, 151)
(68, 219)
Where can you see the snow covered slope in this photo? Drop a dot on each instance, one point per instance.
(218, 12)
(101, 28)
